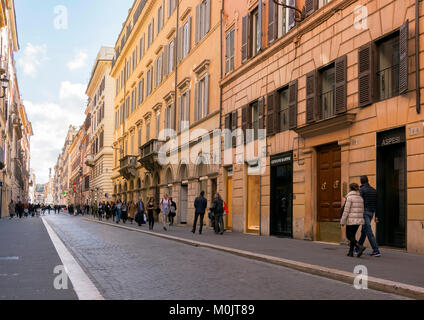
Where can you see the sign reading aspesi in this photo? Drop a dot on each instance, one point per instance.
(281, 159)
(388, 138)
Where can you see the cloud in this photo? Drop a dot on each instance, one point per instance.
(79, 61)
(32, 58)
(50, 122)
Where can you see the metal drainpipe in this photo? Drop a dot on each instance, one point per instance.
(417, 55)
(177, 40)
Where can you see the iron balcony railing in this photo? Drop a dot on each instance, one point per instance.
(388, 82)
(150, 148)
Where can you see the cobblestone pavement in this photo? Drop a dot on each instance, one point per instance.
(130, 265)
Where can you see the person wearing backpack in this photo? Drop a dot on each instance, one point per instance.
(165, 205)
(353, 217)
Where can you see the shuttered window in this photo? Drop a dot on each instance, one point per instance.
(245, 38)
(150, 33)
(171, 56)
(310, 6)
(202, 98)
(229, 52)
(203, 19)
(141, 47)
(184, 111)
(160, 18)
(293, 94)
(171, 7)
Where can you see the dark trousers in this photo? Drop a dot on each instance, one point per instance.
(196, 217)
(219, 223)
(350, 235)
(151, 220)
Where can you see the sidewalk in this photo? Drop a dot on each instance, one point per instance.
(396, 266)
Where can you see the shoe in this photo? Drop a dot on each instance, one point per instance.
(165, 229)
(200, 232)
(355, 252)
(350, 254)
(193, 231)
(361, 250)
(375, 254)
(221, 233)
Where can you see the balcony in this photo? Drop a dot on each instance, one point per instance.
(150, 155)
(89, 161)
(128, 167)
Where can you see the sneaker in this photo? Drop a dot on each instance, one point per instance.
(355, 251)
(375, 254)
(360, 251)
(164, 228)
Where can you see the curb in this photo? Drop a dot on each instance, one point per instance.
(378, 284)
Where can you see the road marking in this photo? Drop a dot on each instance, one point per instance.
(8, 258)
(83, 286)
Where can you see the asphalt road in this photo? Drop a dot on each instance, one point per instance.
(130, 265)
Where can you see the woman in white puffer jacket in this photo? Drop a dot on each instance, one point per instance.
(353, 217)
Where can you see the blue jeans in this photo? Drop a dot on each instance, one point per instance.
(367, 231)
(118, 215)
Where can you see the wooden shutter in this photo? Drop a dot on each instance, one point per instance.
(366, 70)
(260, 17)
(227, 52)
(165, 60)
(272, 21)
(311, 95)
(270, 115)
(245, 121)
(310, 6)
(293, 104)
(174, 116)
(189, 34)
(277, 112)
(207, 16)
(340, 94)
(234, 127)
(291, 14)
(228, 122)
(187, 108)
(244, 38)
(196, 101)
(180, 112)
(403, 63)
(197, 24)
(206, 97)
(261, 113)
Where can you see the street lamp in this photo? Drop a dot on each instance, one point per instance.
(300, 14)
(4, 82)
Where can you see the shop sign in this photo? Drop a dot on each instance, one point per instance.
(281, 159)
(391, 137)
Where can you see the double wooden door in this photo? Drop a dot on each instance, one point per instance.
(329, 183)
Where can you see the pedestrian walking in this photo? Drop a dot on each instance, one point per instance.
(124, 212)
(172, 212)
(200, 205)
(369, 194)
(132, 210)
(118, 211)
(218, 209)
(353, 217)
(165, 205)
(19, 209)
(11, 209)
(108, 211)
(26, 210)
(139, 218)
(150, 212)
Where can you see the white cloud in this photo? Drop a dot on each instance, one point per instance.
(32, 58)
(79, 61)
(50, 122)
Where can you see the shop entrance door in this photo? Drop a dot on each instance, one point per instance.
(183, 204)
(329, 193)
(391, 188)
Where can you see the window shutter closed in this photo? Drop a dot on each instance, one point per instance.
(197, 23)
(187, 108)
(206, 93)
(261, 113)
(180, 113)
(270, 115)
(341, 84)
(244, 42)
(310, 6)
(277, 112)
(227, 52)
(292, 22)
(260, 16)
(234, 127)
(311, 95)
(366, 74)
(208, 16)
(189, 34)
(196, 101)
(245, 121)
(293, 104)
(227, 122)
(272, 21)
(174, 116)
(403, 63)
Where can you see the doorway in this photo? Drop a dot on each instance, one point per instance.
(281, 218)
(183, 203)
(329, 193)
(229, 216)
(391, 188)
(253, 201)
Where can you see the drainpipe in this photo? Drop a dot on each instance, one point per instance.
(177, 40)
(417, 55)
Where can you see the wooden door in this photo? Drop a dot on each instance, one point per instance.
(229, 219)
(329, 183)
(253, 201)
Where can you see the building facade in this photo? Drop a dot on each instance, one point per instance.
(167, 69)
(337, 87)
(100, 107)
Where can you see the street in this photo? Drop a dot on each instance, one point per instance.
(135, 266)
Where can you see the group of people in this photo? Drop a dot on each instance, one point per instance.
(359, 210)
(216, 213)
(24, 209)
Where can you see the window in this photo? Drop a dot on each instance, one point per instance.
(383, 67)
(326, 91)
(160, 19)
(127, 108)
(171, 56)
(255, 36)
(133, 100)
(140, 92)
(171, 7)
(139, 138)
(253, 119)
(132, 145)
(149, 78)
(231, 124)
(141, 55)
(150, 35)
(157, 124)
(283, 114)
(134, 59)
(158, 70)
(251, 33)
(184, 42)
(148, 131)
(229, 55)
(184, 115)
(203, 19)
(117, 87)
(168, 117)
(202, 98)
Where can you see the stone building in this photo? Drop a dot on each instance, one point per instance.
(339, 88)
(167, 70)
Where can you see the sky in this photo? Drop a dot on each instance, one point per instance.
(59, 42)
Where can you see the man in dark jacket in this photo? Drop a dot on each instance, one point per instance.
(218, 210)
(200, 205)
(369, 194)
